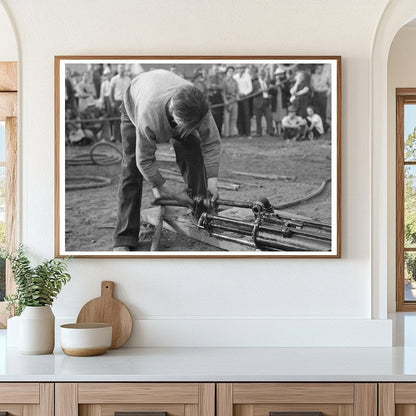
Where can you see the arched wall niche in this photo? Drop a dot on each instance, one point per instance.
(396, 15)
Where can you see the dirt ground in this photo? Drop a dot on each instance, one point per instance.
(91, 213)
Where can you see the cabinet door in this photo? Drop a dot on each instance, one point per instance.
(397, 399)
(26, 399)
(297, 399)
(141, 399)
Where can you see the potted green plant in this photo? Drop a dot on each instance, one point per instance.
(36, 289)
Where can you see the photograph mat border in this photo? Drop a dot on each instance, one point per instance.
(334, 61)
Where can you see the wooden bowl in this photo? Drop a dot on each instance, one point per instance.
(84, 340)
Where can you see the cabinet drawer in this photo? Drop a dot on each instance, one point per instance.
(297, 399)
(21, 399)
(146, 399)
(397, 399)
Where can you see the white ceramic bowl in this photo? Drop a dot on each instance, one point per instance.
(83, 340)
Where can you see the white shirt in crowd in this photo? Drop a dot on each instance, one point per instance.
(105, 89)
(120, 85)
(245, 85)
(263, 86)
(316, 121)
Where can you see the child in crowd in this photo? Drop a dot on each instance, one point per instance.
(315, 124)
(294, 126)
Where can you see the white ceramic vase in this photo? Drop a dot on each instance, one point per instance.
(37, 330)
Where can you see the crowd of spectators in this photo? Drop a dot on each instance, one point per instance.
(92, 101)
(291, 101)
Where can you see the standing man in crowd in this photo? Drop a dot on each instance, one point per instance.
(262, 104)
(321, 88)
(215, 99)
(118, 86)
(245, 87)
(230, 98)
(160, 107)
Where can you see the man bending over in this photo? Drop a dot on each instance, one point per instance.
(159, 107)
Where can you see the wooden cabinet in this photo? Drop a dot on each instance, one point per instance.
(208, 399)
(267, 399)
(106, 399)
(397, 399)
(27, 399)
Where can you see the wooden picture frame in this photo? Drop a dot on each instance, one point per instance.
(295, 166)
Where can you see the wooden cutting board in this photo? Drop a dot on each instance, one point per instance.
(107, 309)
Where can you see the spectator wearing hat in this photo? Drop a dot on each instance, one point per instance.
(200, 82)
(245, 87)
(320, 84)
(97, 78)
(118, 86)
(215, 98)
(294, 127)
(105, 92)
(282, 88)
(261, 104)
(230, 98)
(70, 102)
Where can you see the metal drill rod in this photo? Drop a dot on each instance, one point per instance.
(302, 232)
(277, 217)
(248, 227)
(176, 203)
(305, 221)
(244, 242)
(265, 236)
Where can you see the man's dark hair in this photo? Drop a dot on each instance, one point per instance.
(189, 105)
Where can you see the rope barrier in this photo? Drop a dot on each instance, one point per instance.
(96, 120)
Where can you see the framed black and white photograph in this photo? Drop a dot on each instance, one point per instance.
(198, 156)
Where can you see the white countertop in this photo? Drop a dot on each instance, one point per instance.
(222, 364)
(215, 364)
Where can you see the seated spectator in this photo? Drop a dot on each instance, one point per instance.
(294, 127)
(91, 120)
(315, 124)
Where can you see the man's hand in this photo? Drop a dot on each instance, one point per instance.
(212, 192)
(164, 192)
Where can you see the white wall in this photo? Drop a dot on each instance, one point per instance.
(8, 46)
(288, 302)
(401, 74)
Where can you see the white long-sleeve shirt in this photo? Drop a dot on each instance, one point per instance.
(245, 85)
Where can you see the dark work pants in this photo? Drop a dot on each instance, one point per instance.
(243, 119)
(320, 100)
(215, 98)
(116, 123)
(266, 111)
(190, 161)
